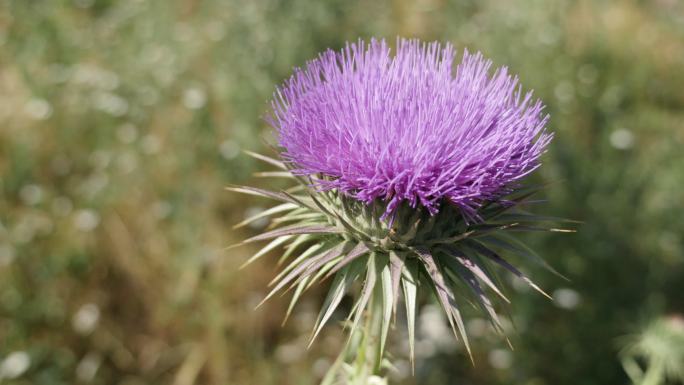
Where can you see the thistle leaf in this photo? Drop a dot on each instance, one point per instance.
(339, 286)
(300, 200)
(516, 247)
(527, 217)
(279, 196)
(333, 253)
(274, 174)
(308, 216)
(292, 275)
(299, 240)
(445, 296)
(270, 246)
(542, 229)
(503, 263)
(302, 257)
(356, 252)
(366, 292)
(301, 286)
(266, 213)
(322, 207)
(495, 209)
(387, 300)
(475, 269)
(267, 159)
(409, 285)
(334, 214)
(294, 230)
(322, 271)
(482, 300)
(396, 266)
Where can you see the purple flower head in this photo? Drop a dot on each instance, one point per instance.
(409, 127)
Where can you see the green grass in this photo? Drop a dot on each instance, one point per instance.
(122, 121)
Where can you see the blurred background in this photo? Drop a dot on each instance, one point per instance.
(122, 121)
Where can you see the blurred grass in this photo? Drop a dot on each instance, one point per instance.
(121, 121)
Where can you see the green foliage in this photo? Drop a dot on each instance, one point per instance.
(121, 122)
(661, 345)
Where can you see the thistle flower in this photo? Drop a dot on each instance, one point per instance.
(404, 128)
(407, 177)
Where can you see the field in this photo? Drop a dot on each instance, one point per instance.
(121, 122)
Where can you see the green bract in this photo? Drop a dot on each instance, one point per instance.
(327, 234)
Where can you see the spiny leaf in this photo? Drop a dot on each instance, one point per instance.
(387, 300)
(542, 229)
(445, 296)
(294, 245)
(322, 271)
(475, 269)
(409, 285)
(329, 256)
(295, 297)
(294, 230)
(273, 174)
(270, 246)
(321, 206)
(290, 276)
(339, 286)
(300, 200)
(266, 213)
(266, 159)
(497, 208)
(356, 252)
(260, 192)
(410, 233)
(302, 257)
(516, 247)
(366, 292)
(308, 216)
(475, 232)
(344, 222)
(396, 266)
(527, 217)
(471, 281)
(503, 263)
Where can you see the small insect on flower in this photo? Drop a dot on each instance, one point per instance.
(407, 177)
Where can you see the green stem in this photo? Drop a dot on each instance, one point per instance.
(654, 373)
